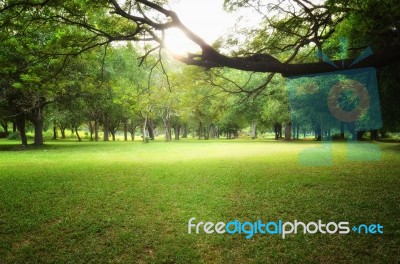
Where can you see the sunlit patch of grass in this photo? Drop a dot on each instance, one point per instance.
(129, 202)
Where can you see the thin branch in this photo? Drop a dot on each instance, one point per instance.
(103, 62)
(164, 71)
(142, 58)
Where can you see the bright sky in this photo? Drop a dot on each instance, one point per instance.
(204, 17)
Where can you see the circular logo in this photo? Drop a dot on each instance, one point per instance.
(358, 90)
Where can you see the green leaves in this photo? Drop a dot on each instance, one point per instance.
(30, 78)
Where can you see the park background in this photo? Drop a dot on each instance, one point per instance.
(112, 139)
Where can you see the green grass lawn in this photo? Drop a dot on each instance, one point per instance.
(125, 202)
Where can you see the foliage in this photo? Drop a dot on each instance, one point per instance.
(57, 62)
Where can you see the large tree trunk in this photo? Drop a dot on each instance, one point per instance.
(212, 131)
(62, 129)
(168, 131)
(132, 129)
(341, 130)
(177, 131)
(296, 131)
(54, 130)
(184, 131)
(96, 130)
(374, 135)
(38, 140)
(253, 130)
(37, 120)
(276, 130)
(20, 124)
(360, 135)
(167, 126)
(106, 127)
(207, 132)
(14, 127)
(319, 132)
(91, 129)
(126, 130)
(77, 134)
(288, 130)
(144, 130)
(150, 126)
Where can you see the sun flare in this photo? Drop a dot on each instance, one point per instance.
(177, 43)
(206, 18)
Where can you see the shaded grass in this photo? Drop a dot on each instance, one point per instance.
(130, 202)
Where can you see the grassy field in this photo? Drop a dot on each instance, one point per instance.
(124, 202)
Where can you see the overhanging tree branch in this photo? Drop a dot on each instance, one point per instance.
(209, 57)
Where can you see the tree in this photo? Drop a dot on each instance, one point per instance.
(285, 42)
(275, 111)
(32, 68)
(147, 20)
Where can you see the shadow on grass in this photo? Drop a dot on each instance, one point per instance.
(10, 146)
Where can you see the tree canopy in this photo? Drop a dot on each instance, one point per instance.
(289, 27)
(78, 60)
